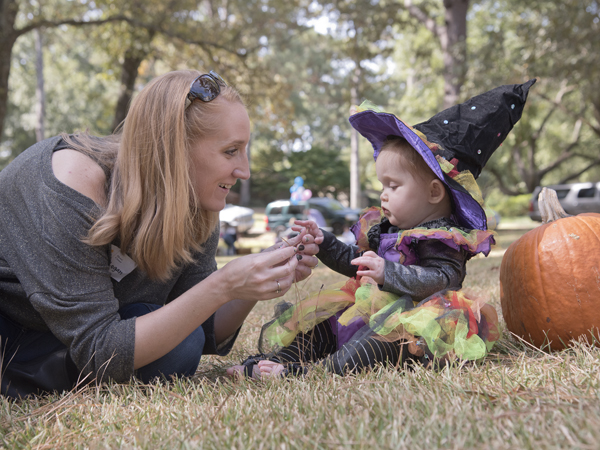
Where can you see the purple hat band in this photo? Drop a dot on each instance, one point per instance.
(376, 127)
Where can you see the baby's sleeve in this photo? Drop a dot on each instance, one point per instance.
(337, 255)
(440, 267)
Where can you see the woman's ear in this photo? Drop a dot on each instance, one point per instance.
(437, 191)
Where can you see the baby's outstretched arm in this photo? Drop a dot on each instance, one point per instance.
(311, 228)
(370, 265)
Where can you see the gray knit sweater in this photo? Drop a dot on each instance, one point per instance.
(50, 280)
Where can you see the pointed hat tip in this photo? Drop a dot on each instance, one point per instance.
(525, 86)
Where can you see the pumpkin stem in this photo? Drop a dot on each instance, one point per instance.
(550, 207)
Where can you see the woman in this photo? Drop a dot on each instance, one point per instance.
(107, 245)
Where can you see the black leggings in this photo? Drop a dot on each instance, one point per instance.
(319, 345)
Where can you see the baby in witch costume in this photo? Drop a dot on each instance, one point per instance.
(403, 303)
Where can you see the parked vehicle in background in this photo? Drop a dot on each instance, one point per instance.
(240, 217)
(575, 198)
(279, 213)
(336, 215)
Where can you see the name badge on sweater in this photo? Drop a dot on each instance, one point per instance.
(120, 264)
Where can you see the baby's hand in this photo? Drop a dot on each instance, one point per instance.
(372, 266)
(311, 228)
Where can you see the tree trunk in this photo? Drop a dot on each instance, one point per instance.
(135, 54)
(245, 184)
(355, 193)
(40, 95)
(8, 14)
(454, 48)
(129, 74)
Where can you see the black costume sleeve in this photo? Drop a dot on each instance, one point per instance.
(337, 255)
(440, 267)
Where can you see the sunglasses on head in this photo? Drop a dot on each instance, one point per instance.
(206, 88)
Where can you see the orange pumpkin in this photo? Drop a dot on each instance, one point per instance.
(550, 278)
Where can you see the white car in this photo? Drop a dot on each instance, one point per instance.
(575, 198)
(238, 216)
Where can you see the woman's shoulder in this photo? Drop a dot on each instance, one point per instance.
(81, 173)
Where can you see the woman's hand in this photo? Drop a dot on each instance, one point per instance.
(230, 292)
(307, 248)
(370, 265)
(262, 276)
(310, 237)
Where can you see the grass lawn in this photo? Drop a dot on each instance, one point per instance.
(518, 398)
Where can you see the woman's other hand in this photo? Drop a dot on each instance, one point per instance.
(307, 248)
(262, 276)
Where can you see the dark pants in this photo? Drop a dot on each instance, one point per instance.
(35, 361)
(230, 241)
(320, 346)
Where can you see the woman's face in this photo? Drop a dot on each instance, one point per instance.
(218, 160)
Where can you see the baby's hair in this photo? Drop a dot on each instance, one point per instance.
(410, 158)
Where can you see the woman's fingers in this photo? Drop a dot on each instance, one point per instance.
(305, 254)
(284, 271)
(278, 256)
(305, 267)
(309, 261)
(298, 239)
(302, 272)
(308, 239)
(305, 243)
(261, 277)
(273, 272)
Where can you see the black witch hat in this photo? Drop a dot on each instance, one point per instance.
(455, 142)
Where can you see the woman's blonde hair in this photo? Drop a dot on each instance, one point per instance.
(153, 211)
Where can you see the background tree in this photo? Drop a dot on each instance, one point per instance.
(324, 172)
(79, 86)
(40, 94)
(364, 41)
(450, 30)
(557, 138)
(18, 17)
(408, 56)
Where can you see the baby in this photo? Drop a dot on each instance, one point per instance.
(403, 303)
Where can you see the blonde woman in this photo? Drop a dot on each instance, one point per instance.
(107, 245)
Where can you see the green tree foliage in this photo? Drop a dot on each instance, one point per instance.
(449, 28)
(299, 83)
(324, 172)
(80, 90)
(19, 17)
(556, 139)
(230, 37)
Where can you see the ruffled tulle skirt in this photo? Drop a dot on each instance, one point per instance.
(445, 326)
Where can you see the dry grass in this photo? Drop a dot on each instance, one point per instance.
(519, 397)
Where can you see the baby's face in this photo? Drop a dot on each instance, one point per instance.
(405, 197)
